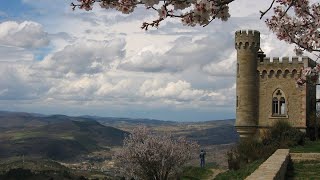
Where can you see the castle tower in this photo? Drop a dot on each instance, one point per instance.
(247, 44)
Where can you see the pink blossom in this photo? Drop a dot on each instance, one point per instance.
(162, 12)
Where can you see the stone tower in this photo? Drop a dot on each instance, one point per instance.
(266, 89)
(247, 44)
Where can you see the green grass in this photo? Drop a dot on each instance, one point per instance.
(32, 164)
(198, 173)
(68, 136)
(242, 173)
(303, 170)
(25, 135)
(309, 147)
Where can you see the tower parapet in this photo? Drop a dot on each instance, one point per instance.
(247, 39)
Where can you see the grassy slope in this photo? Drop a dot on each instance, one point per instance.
(309, 147)
(304, 170)
(60, 140)
(198, 173)
(37, 169)
(242, 173)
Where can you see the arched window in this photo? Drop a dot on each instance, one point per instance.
(271, 73)
(264, 73)
(286, 72)
(279, 107)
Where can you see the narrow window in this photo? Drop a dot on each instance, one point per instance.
(275, 108)
(238, 69)
(237, 101)
(282, 106)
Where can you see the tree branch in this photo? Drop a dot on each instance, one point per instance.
(265, 12)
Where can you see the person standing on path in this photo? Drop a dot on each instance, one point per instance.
(202, 158)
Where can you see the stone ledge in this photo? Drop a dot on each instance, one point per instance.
(297, 157)
(274, 167)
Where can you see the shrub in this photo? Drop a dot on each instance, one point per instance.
(280, 135)
(283, 135)
(233, 159)
(247, 151)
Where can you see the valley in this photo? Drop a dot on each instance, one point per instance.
(85, 145)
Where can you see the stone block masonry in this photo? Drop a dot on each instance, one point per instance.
(274, 167)
(266, 89)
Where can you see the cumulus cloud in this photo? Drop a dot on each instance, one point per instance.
(16, 83)
(150, 60)
(225, 67)
(9, 53)
(180, 92)
(27, 34)
(84, 56)
(181, 54)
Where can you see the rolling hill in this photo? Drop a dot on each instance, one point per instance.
(55, 137)
(61, 137)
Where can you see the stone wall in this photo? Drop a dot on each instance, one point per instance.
(282, 75)
(274, 167)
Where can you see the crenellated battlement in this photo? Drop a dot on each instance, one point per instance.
(247, 39)
(283, 60)
(283, 67)
(247, 33)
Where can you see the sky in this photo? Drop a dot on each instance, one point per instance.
(57, 61)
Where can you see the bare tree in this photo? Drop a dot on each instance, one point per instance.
(146, 155)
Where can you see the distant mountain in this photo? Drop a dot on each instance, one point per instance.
(215, 132)
(205, 132)
(62, 137)
(56, 137)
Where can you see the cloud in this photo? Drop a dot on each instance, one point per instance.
(181, 92)
(10, 53)
(180, 54)
(85, 56)
(150, 59)
(27, 34)
(17, 84)
(225, 67)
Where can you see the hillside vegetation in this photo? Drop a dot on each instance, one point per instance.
(54, 137)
